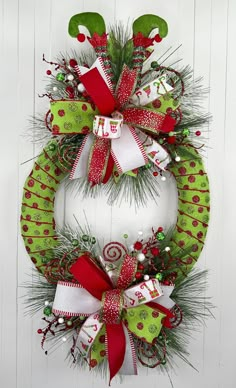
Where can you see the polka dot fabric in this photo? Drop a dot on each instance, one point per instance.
(37, 212)
(193, 207)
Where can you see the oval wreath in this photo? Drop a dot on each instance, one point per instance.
(116, 122)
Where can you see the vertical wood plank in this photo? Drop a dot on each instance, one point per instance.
(8, 194)
(226, 288)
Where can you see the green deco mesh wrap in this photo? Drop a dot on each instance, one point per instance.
(37, 212)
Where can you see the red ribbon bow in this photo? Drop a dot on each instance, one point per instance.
(98, 284)
(101, 160)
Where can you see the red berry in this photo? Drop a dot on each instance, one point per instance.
(81, 38)
(144, 251)
(138, 275)
(160, 229)
(157, 38)
(48, 72)
(141, 267)
(171, 139)
(70, 90)
(155, 173)
(72, 62)
(155, 251)
(198, 133)
(138, 246)
(39, 331)
(166, 282)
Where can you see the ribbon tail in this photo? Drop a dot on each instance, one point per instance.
(98, 160)
(127, 151)
(116, 346)
(79, 169)
(155, 152)
(110, 166)
(129, 366)
(87, 334)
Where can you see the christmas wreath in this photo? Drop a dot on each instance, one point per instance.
(116, 123)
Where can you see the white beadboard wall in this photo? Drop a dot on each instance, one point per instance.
(207, 30)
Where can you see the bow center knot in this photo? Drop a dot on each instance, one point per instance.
(112, 305)
(108, 127)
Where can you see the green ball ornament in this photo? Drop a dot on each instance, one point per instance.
(75, 243)
(60, 77)
(69, 323)
(125, 235)
(161, 141)
(163, 361)
(93, 240)
(186, 132)
(47, 311)
(148, 165)
(159, 276)
(171, 133)
(85, 238)
(160, 236)
(154, 64)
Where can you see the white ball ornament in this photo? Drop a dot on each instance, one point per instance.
(60, 320)
(70, 77)
(163, 178)
(167, 249)
(140, 257)
(140, 232)
(81, 88)
(46, 303)
(177, 158)
(146, 277)
(64, 339)
(54, 89)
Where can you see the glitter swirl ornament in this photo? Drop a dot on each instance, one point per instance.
(116, 127)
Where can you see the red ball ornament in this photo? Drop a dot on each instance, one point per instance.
(160, 229)
(155, 173)
(138, 275)
(157, 38)
(198, 133)
(48, 72)
(138, 246)
(141, 267)
(39, 331)
(144, 251)
(72, 63)
(155, 251)
(81, 38)
(171, 139)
